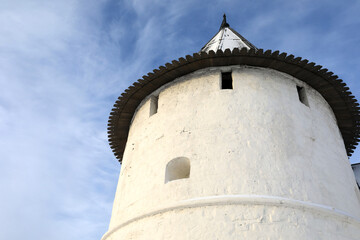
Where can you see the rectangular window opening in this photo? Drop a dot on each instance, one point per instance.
(226, 80)
(302, 95)
(153, 105)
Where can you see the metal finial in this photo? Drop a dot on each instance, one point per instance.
(224, 24)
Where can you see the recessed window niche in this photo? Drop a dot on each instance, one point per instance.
(153, 105)
(226, 80)
(177, 168)
(302, 95)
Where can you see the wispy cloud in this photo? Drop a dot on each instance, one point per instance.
(54, 104)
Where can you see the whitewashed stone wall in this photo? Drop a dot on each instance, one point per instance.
(263, 164)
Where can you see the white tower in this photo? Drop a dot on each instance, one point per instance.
(235, 142)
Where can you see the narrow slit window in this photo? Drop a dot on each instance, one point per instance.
(153, 105)
(177, 168)
(302, 95)
(226, 80)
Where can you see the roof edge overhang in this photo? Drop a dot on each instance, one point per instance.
(333, 89)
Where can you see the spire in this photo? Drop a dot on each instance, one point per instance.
(227, 38)
(224, 24)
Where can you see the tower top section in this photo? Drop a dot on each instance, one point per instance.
(229, 48)
(227, 38)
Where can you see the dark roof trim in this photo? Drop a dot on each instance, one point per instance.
(333, 89)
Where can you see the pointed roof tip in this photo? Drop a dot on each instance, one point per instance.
(227, 38)
(224, 24)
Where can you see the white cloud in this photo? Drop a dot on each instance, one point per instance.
(55, 162)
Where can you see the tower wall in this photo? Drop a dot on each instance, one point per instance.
(262, 163)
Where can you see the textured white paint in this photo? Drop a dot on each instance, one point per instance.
(278, 168)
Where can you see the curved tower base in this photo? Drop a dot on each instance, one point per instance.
(239, 217)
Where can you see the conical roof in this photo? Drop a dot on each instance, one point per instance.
(227, 38)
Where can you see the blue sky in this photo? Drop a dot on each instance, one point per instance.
(64, 63)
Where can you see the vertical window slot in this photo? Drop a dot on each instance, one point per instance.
(153, 105)
(302, 95)
(226, 80)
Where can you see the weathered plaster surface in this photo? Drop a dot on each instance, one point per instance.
(257, 139)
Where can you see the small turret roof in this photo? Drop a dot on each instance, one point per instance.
(227, 38)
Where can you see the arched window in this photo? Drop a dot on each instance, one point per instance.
(177, 168)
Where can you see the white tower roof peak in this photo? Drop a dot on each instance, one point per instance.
(226, 38)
